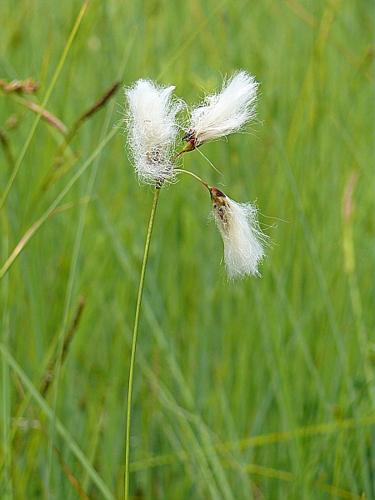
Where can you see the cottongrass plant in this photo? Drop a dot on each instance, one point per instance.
(224, 113)
(242, 237)
(152, 129)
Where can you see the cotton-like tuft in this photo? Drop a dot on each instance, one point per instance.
(242, 237)
(224, 113)
(152, 130)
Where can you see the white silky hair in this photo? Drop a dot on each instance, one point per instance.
(152, 130)
(242, 237)
(227, 112)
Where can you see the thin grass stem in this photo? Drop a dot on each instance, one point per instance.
(183, 171)
(134, 339)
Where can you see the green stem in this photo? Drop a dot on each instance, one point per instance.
(183, 171)
(134, 338)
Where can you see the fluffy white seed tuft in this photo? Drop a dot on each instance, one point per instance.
(224, 113)
(242, 237)
(152, 130)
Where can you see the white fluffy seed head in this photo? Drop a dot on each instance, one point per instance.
(243, 240)
(152, 130)
(224, 113)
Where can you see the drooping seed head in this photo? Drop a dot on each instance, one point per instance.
(242, 237)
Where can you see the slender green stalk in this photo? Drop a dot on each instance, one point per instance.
(134, 339)
(6, 410)
(183, 171)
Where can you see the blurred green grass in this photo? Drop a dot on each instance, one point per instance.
(218, 362)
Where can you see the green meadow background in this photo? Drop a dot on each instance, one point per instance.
(256, 389)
